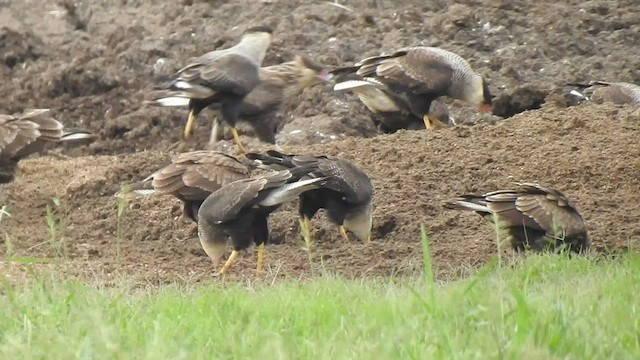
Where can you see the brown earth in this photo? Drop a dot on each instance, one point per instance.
(93, 62)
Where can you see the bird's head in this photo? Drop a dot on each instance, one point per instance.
(310, 73)
(260, 33)
(485, 104)
(477, 93)
(360, 222)
(212, 237)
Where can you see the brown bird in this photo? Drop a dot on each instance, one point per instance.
(191, 177)
(30, 132)
(347, 195)
(532, 216)
(613, 92)
(240, 211)
(222, 77)
(277, 84)
(408, 80)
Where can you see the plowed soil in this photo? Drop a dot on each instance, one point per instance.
(93, 63)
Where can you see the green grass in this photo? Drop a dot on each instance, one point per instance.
(543, 307)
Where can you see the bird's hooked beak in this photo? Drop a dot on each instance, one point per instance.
(485, 108)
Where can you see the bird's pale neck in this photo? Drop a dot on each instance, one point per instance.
(254, 45)
(469, 89)
(290, 74)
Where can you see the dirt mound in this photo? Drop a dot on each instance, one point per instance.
(590, 152)
(93, 63)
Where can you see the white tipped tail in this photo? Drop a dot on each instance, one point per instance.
(354, 84)
(291, 191)
(460, 204)
(77, 135)
(171, 101)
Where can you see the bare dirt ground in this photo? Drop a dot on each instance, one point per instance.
(93, 63)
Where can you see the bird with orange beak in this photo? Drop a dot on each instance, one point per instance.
(418, 75)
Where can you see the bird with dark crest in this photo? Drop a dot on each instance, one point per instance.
(240, 211)
(409, 80)
(532, 217)
(278, 83)
(29, 133)
(222, 77)
(347, 195)
(191, 177)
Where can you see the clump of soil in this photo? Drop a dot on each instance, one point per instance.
(586, 151)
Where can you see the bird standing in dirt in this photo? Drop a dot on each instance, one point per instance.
(277, 84)
(240, 211)
(29, 133)
(532, 217)
(347, 195)
(613, 92)
(408, 80)
(222, 77)
(191, 177)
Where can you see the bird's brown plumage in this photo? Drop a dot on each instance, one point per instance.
(191, 177)
(603, 91)
(533, 216)
(615, 92)
(347, 195)
(411, 78)
(240, 210)
(278, 83)
(30, 132)
(222, 77)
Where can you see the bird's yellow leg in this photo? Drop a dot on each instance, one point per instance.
(259, 261)
(228, 263)
(305, 228)
(188, 128)
(236, 139)
(343, 231)
(428, 123)
(368, 239)
(432, 124)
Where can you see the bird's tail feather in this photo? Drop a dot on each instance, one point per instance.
(292, 190)
(140, 188)
(271, 160)
(77, 136)
(468, 202)
(178, 93)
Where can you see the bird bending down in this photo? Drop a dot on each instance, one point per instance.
(409, 80)
(191, 177)
(347, 195)
(222, 77)
(613, 92)
(240, 211)
(278, 83)
(531, 217)
(30, 132)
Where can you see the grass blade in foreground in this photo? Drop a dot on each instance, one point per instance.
(555, 307)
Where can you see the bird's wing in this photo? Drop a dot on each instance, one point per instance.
(550, 209)
(230, 73)
(416, 70)
(8, 131)
(226, 203)
(347, 179)
(503, 204)
(619, 93)
(21, 133)
(196, 174)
